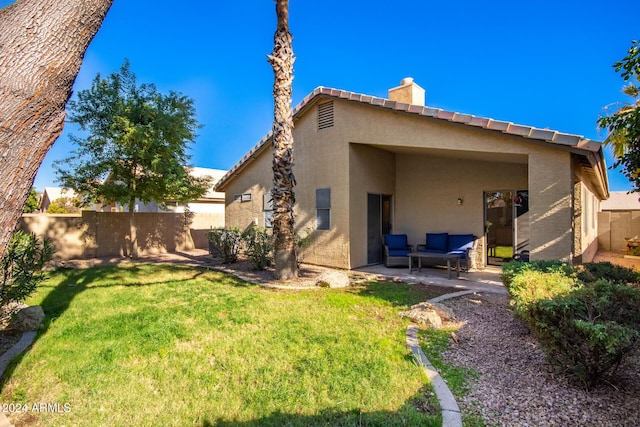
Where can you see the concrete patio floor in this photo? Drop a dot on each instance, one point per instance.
(484, 280)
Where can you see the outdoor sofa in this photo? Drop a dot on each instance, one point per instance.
(440, 244)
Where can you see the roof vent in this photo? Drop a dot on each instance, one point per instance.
(325, 115)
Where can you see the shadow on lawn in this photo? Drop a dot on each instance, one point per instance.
(420, 410)
(399, 293)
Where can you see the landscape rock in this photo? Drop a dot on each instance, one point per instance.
(27, 319)
(333, 279)
(429, 314)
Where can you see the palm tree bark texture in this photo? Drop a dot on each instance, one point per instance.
(42, 44)
(283, 179)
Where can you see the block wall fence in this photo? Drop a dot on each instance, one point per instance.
(105, 234)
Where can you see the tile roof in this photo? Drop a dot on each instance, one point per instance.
(575, 142)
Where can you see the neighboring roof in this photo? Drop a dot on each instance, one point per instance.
(591, 149)
(621, 201)
(215, 175)
(54, 193)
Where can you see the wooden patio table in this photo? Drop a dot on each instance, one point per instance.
(431, 255)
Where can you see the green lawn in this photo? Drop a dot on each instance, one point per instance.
(152, 345)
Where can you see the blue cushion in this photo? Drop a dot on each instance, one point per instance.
(433, 251)
(398, 252)
(396, 241)
(460, 242)
(437, 241)
(460, 254)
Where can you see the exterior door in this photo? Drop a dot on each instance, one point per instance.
(378, 223)
(506, 224)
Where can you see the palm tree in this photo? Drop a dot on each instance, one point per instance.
(43, 44)
(618, 138)
(623, 124)
(283, 180)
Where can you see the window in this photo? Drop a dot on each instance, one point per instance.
(268, 210)
(323, 209)
(245, 197)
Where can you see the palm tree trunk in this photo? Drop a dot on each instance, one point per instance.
(42, 43)
(283, 180)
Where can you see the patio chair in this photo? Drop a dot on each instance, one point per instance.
(396, 250)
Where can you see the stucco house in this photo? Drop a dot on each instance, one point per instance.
(366, 166)
(212, 202)
(51, 194)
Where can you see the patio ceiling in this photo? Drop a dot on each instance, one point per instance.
(456, 154)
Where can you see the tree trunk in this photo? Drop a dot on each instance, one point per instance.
(42, 43)
(283, 197)
(133, 230)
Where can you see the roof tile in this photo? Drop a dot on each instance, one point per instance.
(461, 118)
(498, 125)
(565, 138)
(545, 134)
(479, 121)
(447, 115)
(519, 130)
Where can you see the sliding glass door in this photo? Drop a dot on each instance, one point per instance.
(506, 225)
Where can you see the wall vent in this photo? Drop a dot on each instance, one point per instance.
(325, 115)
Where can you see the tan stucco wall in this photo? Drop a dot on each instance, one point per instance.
(425, 165)
(319, 163)
(256, 180)
(371, 171)
(102, 234)
(588, 225)
(428, 189)
(550, 205)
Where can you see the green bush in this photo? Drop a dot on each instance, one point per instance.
(588, 331)
(512, 269)
(592, 271)
(530, 286)
(258, 244)
(21, 266)
(225, 243)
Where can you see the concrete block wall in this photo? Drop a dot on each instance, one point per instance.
(104, 234)
(614, 227)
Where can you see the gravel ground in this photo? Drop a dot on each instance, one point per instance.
(517, 388)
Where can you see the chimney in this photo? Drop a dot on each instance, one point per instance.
(408, 92)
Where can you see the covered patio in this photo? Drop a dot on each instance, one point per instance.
(485, 280)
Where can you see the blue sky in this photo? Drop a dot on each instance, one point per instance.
(544, 63)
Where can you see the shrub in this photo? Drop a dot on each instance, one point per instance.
(21, 266)
(225, 243)
(530, 286)
(588, 332)
(259, 247)
(592, 271)
(512, 269)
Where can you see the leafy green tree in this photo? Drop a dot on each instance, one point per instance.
(135, 148)
(33, 202)
(623, 124)
(64, 205)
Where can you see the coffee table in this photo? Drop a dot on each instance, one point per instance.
(430, 255)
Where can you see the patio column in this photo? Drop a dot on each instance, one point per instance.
(550, 205)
